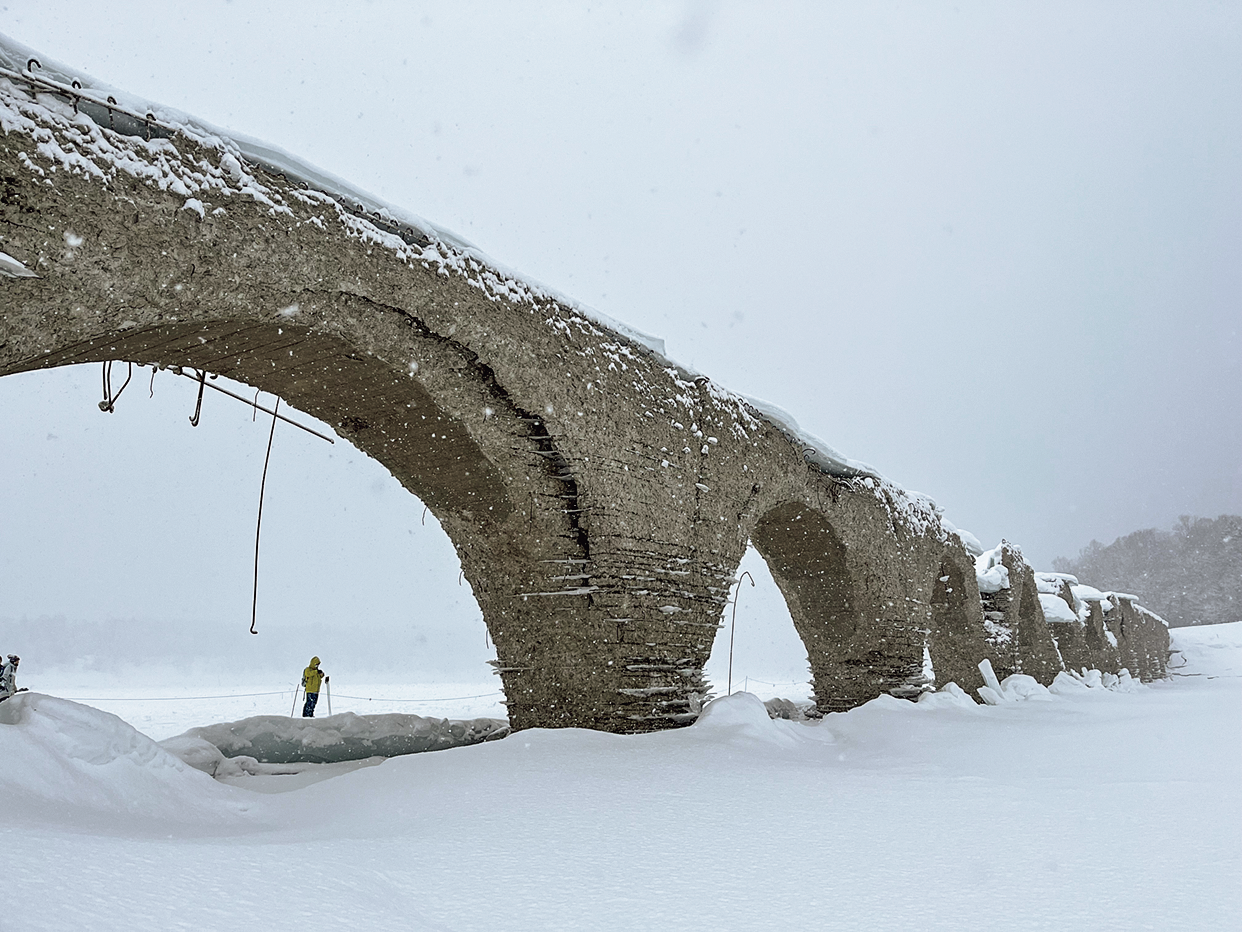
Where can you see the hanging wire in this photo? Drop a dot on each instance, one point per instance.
(168, 698)
(246, 401)
(441, 699)
(733, 625)
(254, 602)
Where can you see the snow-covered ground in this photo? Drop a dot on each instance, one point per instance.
(1096, 810)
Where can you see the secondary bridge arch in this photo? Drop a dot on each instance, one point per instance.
(600, 497)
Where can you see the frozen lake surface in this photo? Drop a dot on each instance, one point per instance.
(160, 710)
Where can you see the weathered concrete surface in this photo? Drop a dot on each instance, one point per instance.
(1016, 627)
(1142, 638)
(599, 497)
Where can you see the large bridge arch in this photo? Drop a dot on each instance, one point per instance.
(809, 565)
(483, 468)
(882, 602)
(863, 636)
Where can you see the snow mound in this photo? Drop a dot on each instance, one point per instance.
(744, 717)
(274, 739)
(66, 760)
(969, 541)
(195, 752)
(1052, 582)
(1072, 683)
(949, 696)
(738, 710)
(1017, 687)
(1056, 609)
(1207, 650)
(992, 574)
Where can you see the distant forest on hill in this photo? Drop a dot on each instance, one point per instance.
(1191, 575)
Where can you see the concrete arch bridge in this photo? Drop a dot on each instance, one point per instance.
(600, 497)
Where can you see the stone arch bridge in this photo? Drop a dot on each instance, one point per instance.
(600, 497)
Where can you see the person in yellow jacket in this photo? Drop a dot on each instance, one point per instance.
(312, 677)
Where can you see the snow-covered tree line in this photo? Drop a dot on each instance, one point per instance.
(1191, 575)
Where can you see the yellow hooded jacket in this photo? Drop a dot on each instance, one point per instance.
(312, 676)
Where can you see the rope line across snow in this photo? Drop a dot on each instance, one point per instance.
(444, 699)
(252, 695)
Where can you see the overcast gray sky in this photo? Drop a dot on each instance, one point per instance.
(994, 250)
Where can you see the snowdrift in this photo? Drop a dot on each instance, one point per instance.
(744, 718)
(66, 761)
(274, 739)
(1207, 650)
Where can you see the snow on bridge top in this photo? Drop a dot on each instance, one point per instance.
(62, 94)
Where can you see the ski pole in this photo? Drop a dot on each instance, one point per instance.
(327, 685)
(295, 701)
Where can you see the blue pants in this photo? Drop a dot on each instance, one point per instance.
(308, 710)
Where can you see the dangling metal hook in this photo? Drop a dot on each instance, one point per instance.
(32, 64)
(109, 400)
(106, 375)
(198, 405)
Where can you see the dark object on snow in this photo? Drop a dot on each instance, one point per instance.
(274, 739)
(791, 711)
(8, 677)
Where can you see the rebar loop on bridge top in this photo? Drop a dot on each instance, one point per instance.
(733, 625)
(108, 405)
(75, 93)
(152, 126)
